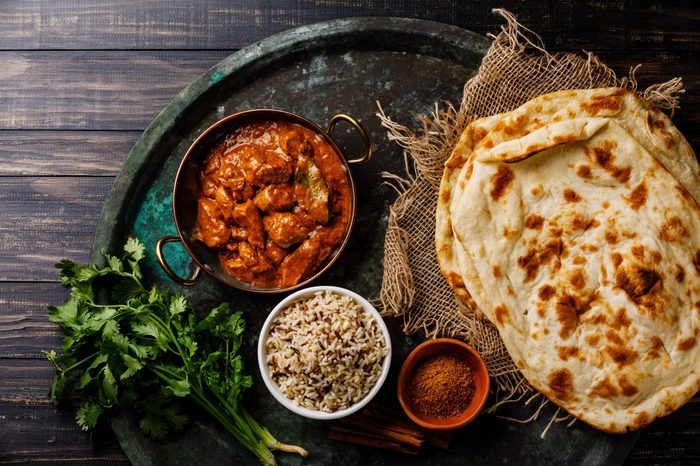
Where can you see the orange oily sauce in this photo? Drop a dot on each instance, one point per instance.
(274, 201)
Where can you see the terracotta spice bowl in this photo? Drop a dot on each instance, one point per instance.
(443, 346)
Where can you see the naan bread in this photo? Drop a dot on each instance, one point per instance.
(650, 127)
(578, 236)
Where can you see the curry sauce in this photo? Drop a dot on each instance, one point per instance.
(274, 201)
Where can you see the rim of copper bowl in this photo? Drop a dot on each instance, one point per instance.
(261, 114)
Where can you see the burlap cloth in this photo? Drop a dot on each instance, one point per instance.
(516, 68)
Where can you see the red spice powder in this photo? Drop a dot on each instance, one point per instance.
(441, 386)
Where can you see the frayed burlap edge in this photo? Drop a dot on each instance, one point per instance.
(516, 68)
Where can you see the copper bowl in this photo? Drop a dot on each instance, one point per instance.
(186, 192)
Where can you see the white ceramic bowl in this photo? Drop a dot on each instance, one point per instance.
(272, 386)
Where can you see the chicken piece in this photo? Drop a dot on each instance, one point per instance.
(293, 142)
(274, 253)
(223, 198)
(304, 218)
(252, 258)
(329, 237)
(284, 229)
(247, 216)
(211, 227)
(244, 194)
(213, 161)
(238, 234)
(263, 167)
(236, 267)
(275, 197)
(232, 177)
(300, 263)
(208, 186)
(311, 190)
(248, 264)
(230, 172)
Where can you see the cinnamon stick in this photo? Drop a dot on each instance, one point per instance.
(358, 438)
(382, 427)
(439, 439)
(412, 438)
(394, 418)
(398, 421)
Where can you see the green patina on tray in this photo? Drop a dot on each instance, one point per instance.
(317, 71)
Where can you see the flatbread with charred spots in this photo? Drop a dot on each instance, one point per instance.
(572, 224)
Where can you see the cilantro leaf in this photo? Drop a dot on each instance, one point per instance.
(140, 351)
(213, 318)
(157, 296)
(153, 426)
(82, 291)
(88, 415)
(178, 387)
(135, 249)
(65, 313)
(109, 384)
(110, 329)
(147, 329)
(126, 289)
(174, 417)
(114, 263)
(188, 343)
(85, 274)
(51, 356)
(90, 374)
(61, 387)
(120, 341)
(68, 270)
(178, 305)
(132, 366)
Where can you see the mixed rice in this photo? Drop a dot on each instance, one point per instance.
(325, 352)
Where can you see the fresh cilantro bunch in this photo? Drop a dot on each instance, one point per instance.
(145, 349)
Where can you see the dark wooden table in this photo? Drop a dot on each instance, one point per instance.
(80, 80)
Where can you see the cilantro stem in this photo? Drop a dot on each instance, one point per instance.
(267, 438)
(241, 429)
(76, 364)
(232, 412)
(228, 357)
(249, 441)
(243, 418)
(166, 328)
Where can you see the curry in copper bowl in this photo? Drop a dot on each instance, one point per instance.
(264, 201)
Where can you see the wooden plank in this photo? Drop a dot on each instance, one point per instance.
(34, 430)
(46, 219)
(93, 90)
(223, 24)
(660, 67)
(64, 153)
(126, 90)
(38, 433)
(26, 380)
(25, 329)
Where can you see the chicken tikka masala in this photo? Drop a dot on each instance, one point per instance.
(274, 201)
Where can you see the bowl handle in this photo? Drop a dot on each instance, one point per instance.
(367, 154)
(164, 264)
